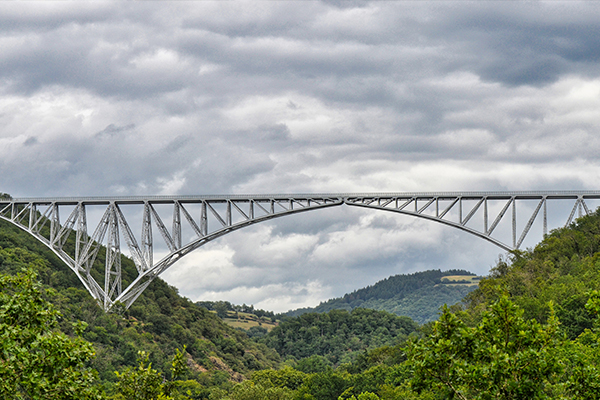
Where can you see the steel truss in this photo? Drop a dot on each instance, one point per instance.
(215, 216)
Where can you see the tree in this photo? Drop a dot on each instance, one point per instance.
(583, 357)
(504, 357)
(248, 390)
(222, 308)
(36, 360)
(146, 383)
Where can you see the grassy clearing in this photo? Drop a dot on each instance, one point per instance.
(246, 321)
(468, 280)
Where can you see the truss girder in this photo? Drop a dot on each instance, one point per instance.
(196, 220)
(453, 210)
(214, 218)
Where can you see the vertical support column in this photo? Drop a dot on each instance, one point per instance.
(514, 222)
(203, 220)
(460, 211)
(32, 215)
(147, 250)
(437, 207)
(485, 215)
(81, 239)
(176, 227)
(545, 216)
(580, 207)
(112, 271)
(54, 222)
(228, 213)
(251, 209)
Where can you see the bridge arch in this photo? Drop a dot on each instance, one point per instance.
(217, 216)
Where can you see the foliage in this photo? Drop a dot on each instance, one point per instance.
(146, 383)
(37, 361)
(337, 335)
(562, 269)
(225, 306)
(504, 357)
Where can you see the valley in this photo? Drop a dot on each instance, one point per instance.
(342, 348)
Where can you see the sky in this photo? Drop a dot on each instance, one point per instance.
(200, 97)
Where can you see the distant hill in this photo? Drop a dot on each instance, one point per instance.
(418, 296)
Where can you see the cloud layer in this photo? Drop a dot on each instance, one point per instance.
(207, 97)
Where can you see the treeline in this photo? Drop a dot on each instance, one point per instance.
(402, 284)
(422, 305)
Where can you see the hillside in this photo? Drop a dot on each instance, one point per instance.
(418, 296)
(563, 269)
(159, 322)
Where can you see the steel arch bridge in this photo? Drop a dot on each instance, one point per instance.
(196, 220)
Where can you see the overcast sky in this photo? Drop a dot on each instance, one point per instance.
(136, 98)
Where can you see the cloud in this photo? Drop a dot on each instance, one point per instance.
(140, 98)
(112, 130)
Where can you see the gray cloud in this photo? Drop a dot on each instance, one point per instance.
(216, 97)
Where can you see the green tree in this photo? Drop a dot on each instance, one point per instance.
(248, 390)
(365, 396)
(314, 363)
(287, 377)
(37, 361)
(146, 383)
(504, 357)
(323, 386)
(222, 309)
(583, 357)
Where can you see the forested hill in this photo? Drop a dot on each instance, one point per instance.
(563, 269)
(419, 295)
(338, 336)
(159, 322)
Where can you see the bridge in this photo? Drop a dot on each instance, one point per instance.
(196, 220)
